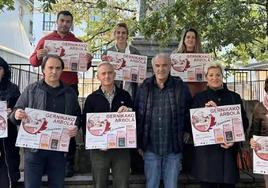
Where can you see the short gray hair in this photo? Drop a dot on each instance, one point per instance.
(162, 56)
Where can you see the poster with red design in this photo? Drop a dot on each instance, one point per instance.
(74, 54)
(216, 125)
(190, 67)
(111, 130)
(128, 67)
(260, 155)
(3, 119)
(45, 130)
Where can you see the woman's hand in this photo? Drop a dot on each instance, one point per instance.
(227, 145)
(253, 143)
(210, 104)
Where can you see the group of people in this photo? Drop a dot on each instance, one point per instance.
(161, 103)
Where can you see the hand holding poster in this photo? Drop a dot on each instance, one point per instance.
(260, 155)
(111, 130)
(3, 119)
(45, 130)
(128, 67)
(190, 67)
(74, 54)
(216, 125)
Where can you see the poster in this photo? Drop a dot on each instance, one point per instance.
(190, 67)
(216, 125)
(260, 155)
(128, 67)
(72, 53)
(45, 130)
(111, 130)
(3, 119)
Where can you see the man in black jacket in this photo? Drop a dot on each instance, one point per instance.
(108, 98)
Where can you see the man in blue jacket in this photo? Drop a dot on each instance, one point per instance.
(161, 107)
(108, 98)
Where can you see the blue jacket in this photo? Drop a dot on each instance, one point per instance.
(180, 98)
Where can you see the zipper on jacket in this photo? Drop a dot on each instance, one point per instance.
(7, 166)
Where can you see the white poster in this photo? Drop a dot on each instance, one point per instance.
(190, 67)
(111, 130)
(215, 125)
(45, 130)
(128, 67)
(3, 119)
(72, 53)
(260, 155)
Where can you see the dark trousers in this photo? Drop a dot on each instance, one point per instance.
(216, 185)
(70, 157)
(4, 180)
(116, 159)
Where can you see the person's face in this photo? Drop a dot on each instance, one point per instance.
(2, 72)
(52, 70)
(120, 35)
(161, 68)
(106, 75)
(64, 24)
(190, 40)
(214, 78)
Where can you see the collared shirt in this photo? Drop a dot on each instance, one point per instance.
(109, 96)
(160, 137)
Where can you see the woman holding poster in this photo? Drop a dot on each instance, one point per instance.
(9, 154)
(215, 165)
(259, 125)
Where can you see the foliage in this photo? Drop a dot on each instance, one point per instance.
(241, 24)
(9, 4)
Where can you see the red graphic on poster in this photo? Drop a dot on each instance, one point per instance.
(180, 65)
(3, 125)
(203, 122)
(98, 128)
(34, 126)
(262, 148)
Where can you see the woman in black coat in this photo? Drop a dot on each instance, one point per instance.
(215, 165)
(9, 154)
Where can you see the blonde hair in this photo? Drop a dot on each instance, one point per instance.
(215, 65)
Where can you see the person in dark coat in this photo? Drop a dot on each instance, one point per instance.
(215, 165)
(9, 154)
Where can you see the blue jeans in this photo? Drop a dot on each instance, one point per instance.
(166, 167)
(36, 162)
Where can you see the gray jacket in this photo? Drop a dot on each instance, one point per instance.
(35, 96)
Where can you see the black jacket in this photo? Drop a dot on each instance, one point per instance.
(10, 153)
(213, 163)
(96, 102)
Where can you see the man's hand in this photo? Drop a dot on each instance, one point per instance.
(124, 109)
(227, 145)
(210, 104)
(72, 131)
(20, 114)
(253, 144)
(41, 53)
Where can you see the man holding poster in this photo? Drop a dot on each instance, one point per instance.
(52, 95)
(108, 98)
(64, 24)
(162, 111)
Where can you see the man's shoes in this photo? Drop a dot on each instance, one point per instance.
(69, 171)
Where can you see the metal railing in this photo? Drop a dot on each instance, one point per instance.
(249, 83)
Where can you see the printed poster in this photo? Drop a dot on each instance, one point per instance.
(128, 67)
(260, 155)
(216, 125)
(3, 119)
(45, 130)
(190, 67)
(72, 53)
(111, 130)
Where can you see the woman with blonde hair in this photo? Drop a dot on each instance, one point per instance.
(215, 165)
